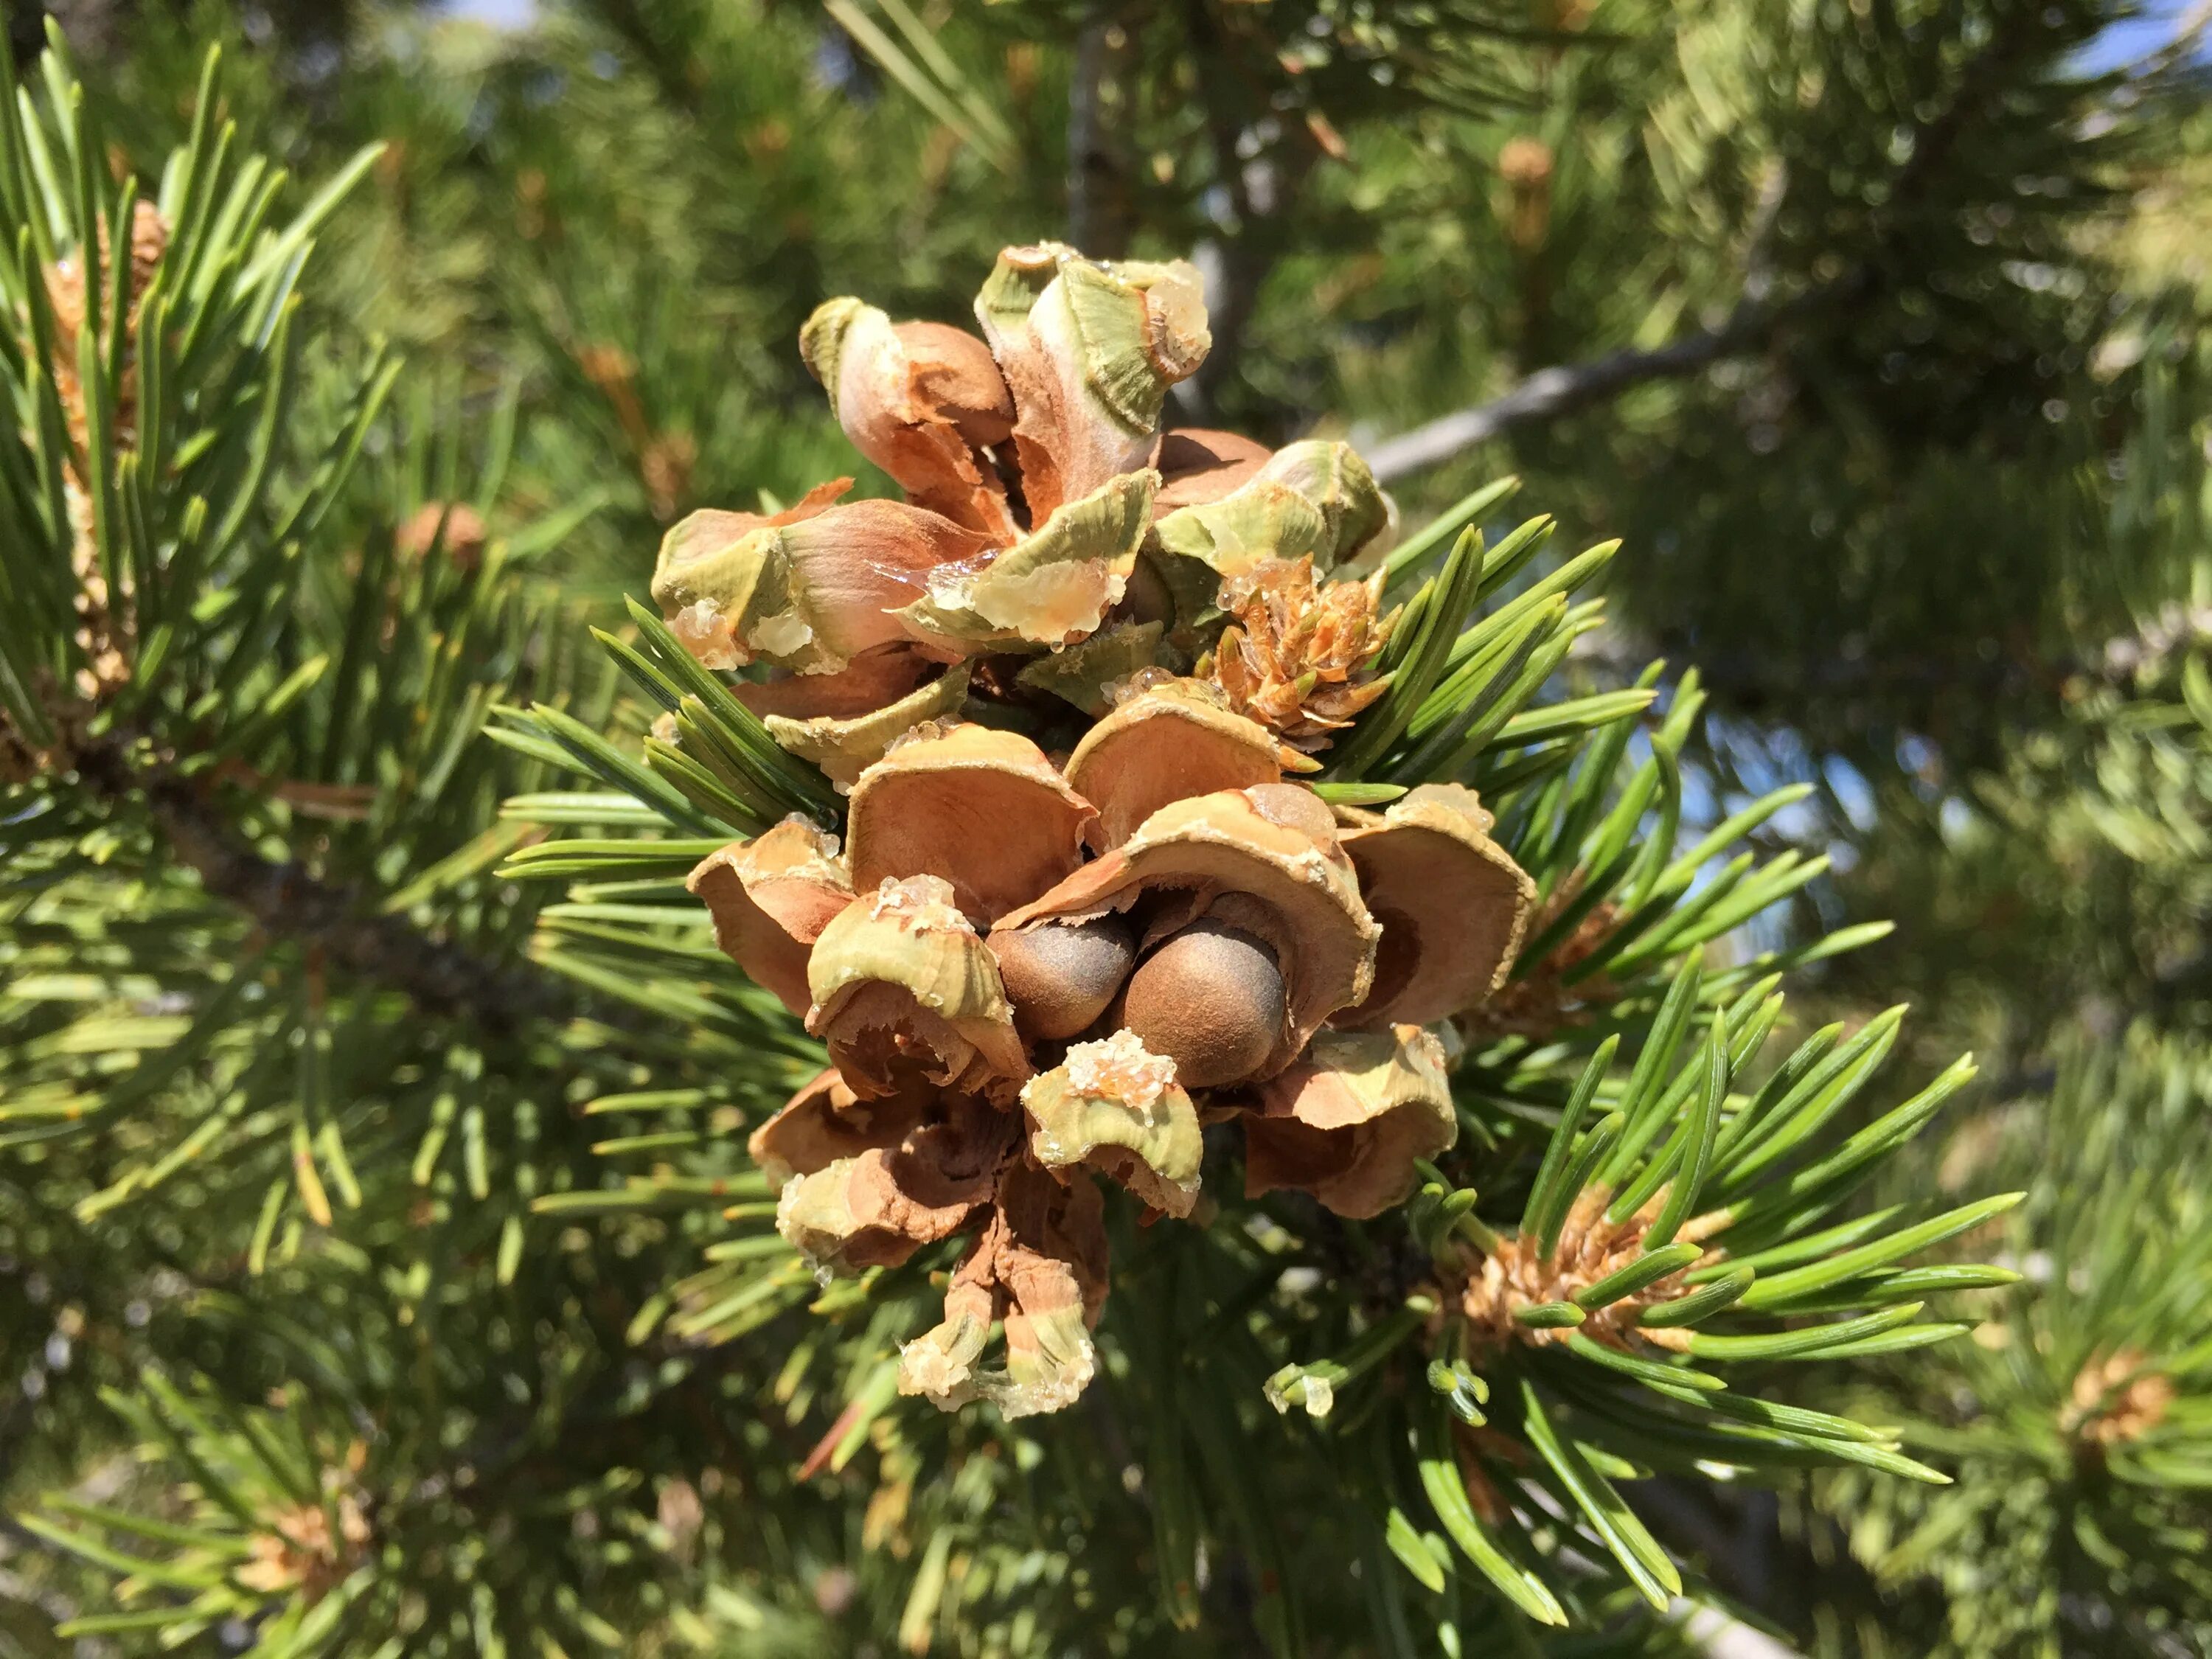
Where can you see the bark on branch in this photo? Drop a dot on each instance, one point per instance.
(287, 901)
(1550, 393)
(1557, 391)
(1100, 200)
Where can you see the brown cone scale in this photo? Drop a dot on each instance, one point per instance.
(1212, 1000)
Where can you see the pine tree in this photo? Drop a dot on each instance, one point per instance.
(390, 1266)
(2076, 1421)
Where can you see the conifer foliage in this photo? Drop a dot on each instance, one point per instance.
(173, 698)
(1094, 1035)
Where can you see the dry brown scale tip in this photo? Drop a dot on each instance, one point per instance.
(301, 1554)
(1474, 1449)
(665, 459)
(2115, 1400)
(103, 627)
(65, 296)
(103, 632)
(1542, 1002)
(1036, 972)
(682, 1514)
(665, 467)
(455, 527)
(1518, 1274)
(1300, 654)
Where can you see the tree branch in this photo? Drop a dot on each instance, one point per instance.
(1558, 391)
(290, 901)
(1101, 210)
(1561, 391)
(1248, 226)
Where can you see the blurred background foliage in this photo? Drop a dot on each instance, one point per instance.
(1874, 328)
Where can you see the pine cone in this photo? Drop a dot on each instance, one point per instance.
(1045, 510)
(1030, 977)
(1035, 974)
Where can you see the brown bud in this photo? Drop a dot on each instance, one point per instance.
(1060, 979)
(454, 526)
(1211, 998)
(1525, 166)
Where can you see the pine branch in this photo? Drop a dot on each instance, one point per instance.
(1100, 216)
(1241, 254)
(1723, 1637)
(2178, 47)
(1752, 326)
(663, 60)
(287, 901)
(1563, 389)
(1752, 681)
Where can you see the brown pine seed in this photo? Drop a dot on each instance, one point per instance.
(1212, 1000)
(1060, 978)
